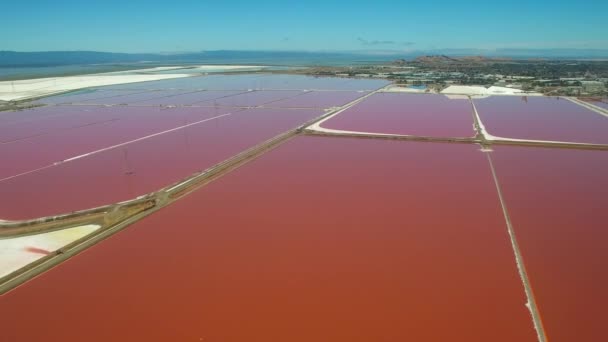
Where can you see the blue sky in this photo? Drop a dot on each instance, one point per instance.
(175, 26)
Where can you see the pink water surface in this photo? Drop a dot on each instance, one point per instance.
(557, 203)
(141, 167)
(34, 122)
(115, 125)
(320, 99)
(138, 97)
(31, 115)
(542, 118)
(408, 114)
(190, 97)
(321, 239)
(254, 98)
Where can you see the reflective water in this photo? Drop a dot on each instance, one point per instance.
(322, 239)
(137, 168)
(541, 118)
(258, 82)
(191, 98)
(557, 203)
(254, 98)
(408, 114)
(43, 143)
(136, 98)
(320, 99)
(80, 96)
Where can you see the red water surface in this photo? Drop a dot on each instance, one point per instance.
(254, 98)
(322, 239)
(47, 144)
(557, 203)
(141, 167)
(541, 118)
(408, 114)
(320, 99)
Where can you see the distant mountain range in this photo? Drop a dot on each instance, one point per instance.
(60, 58)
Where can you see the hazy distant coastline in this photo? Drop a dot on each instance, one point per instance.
(56, 58)
(22, 65)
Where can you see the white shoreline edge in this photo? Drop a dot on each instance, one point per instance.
(18, 252)
(489, 137)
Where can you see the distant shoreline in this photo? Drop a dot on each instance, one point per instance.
(33, 72)
(28, 65)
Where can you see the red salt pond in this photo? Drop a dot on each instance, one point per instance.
(138, 97)
(557, 203)
(541, 118)
(407, 114)
(189, 98)
(320, 99)
(140, 167)
(40, 121)
(254, 98)
(44, 142)
(31, 115)
(322, 239)
(166, 97)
